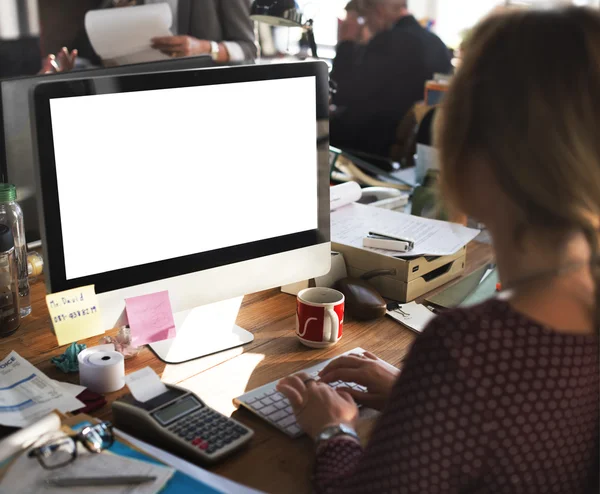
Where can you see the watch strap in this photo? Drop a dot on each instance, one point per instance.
(214, 50)
(336, 431)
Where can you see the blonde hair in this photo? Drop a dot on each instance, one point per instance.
(526, 103)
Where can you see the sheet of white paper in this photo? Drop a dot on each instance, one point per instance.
(27, 394)
(352, 223)
(27, 475)
(25, 437)
(69, 388)
(414, 316)
(215, 481)
(343, 194)
(127, 31)
(145, 384)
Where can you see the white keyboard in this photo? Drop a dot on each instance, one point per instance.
(272, 406)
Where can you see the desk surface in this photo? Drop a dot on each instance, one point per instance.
(273, 462)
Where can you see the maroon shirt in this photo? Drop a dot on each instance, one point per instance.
(488, 401)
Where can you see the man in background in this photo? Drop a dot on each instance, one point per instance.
(221, 28)
(379, 80)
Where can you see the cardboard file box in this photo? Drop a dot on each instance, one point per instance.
(413, 278)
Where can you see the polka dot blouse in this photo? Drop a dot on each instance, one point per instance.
(488, 402)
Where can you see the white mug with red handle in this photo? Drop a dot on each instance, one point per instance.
(319, 316)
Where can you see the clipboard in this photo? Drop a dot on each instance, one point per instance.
(180, 483)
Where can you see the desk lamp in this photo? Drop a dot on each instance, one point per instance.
(284, 13)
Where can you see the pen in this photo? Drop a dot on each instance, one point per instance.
(96, 481)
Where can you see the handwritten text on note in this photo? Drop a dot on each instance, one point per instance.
(75, 314)
(150, 318)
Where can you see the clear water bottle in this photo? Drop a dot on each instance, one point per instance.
(12, 216)
(9, 292)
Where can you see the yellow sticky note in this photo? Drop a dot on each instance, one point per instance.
(75, 314)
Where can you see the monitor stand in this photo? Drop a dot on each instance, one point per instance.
(203, 331)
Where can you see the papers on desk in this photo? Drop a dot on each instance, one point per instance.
(212, 480)
(29, 476)
(352, 223)
(27, 394)
(414, 316)
(122, 36)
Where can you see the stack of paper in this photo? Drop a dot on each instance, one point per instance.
(352, 223)
(414, 316)
(27, 475)
(27, 394)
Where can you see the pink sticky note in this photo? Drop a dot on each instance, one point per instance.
(150, 318)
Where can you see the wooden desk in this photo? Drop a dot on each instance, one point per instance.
(273, 462)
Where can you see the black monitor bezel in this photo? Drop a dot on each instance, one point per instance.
(48, 190)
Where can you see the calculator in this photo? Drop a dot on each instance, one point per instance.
(181, 423)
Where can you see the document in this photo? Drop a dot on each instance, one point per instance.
(414, 316)
(27, 394)
(344, 194)
(150, 318)
(25, 437)
(123, 36)
(217, 482)
(352, 223)
(145, 384)
(75, 314)
(27, 475)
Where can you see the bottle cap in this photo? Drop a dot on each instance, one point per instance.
(7, 241)
(8, 193)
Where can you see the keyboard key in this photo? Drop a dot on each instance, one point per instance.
(268, 410)
(251, 400)
(257, 405)
(289, 409)
(266, 401)
(277, 416)
(277, 396)
(294, 429)
(282, 404)
(287, 421)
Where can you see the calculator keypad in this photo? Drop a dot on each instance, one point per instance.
(207, 430)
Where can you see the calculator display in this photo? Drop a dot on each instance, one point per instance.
(177, 409)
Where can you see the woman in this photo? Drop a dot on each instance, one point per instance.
(502, 397)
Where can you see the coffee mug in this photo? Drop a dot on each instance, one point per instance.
(319, 316)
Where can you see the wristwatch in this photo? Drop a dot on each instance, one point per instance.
(334, 431)
(214, 50)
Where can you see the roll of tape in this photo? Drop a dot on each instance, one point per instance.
(101, 369)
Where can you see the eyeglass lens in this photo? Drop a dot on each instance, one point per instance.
(57, 453)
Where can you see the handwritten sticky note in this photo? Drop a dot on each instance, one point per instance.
(150, 318)
(75, 314)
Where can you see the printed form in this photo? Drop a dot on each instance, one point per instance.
(27, 394)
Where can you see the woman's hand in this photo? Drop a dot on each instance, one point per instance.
(63, 61)
(317, 405)
(368, 371)
(181, 46)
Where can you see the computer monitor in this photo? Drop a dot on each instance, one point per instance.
(210, 184)
(16, 146)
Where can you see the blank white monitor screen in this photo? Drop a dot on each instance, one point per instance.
(148, 176)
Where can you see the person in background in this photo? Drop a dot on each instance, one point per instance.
(503, 396)
(220, 28)
(378, 82)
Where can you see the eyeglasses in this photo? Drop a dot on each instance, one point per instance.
(56, 452)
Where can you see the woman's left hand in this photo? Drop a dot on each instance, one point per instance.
(317, 405)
